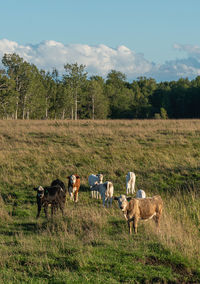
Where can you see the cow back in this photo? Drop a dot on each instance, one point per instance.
(60, 183)
(78, 182)
(144, 208)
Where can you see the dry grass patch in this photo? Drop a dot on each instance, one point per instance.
(180, 225)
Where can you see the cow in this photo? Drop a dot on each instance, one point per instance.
(50, 195)
(106, 191)
(92, 179)
(140, 209)
(130, 182)
(73, 187)
(140, 194)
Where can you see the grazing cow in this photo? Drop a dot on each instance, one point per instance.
(130, 183)
(50, 195)
(140, 194)
(92, 179)
(141, 209)
(106, 191)
(73, 187)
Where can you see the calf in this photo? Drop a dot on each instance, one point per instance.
(141, 209)
(50, 195)
(130, 182)
(73, 187)
(92, 179)
(106, 191)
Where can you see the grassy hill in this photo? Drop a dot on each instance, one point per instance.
(90, 244)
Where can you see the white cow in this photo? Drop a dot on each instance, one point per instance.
(140, 194)
(92, 180)
(106, 191)
(130, 183)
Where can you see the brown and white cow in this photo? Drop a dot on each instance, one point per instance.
(73, 187)
(140, 209)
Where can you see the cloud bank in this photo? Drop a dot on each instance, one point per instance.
(101, 59)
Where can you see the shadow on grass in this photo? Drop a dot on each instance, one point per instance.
(84, 188)
(32, 227)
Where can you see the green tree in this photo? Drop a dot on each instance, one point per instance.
(34, 105)
(49, 92)
(143, 88)
(27, 84)
(96, 100)
(120, 97)
(75, 78)
(13, 64)
(7, 95)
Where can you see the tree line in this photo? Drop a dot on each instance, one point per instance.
(29, 93)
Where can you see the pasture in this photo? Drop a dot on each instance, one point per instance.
(91, 244)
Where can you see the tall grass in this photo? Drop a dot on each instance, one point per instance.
(91, 244)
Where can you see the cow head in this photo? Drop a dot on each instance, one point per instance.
(100, 177)
(122, 201)
(40, 191)
(72, 179)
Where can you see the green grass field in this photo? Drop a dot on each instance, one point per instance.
(91, 244)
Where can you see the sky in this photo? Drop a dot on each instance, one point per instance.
(158, 38)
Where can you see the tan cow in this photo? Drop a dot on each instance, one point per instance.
(140, 209)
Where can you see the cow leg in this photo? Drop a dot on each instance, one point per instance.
(103, 198)
(72, 196)
(61, 206)
(132, 189)
(52, 210)
(92, 193)
(135, 225)
(110, 201)
(46, 210)
(39, 210)
(76, 196)
(129, 227)
(107, 202)
(157, 220)
(128, 190)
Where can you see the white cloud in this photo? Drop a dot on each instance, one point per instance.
(100, 59)
(191, 50)
(185, 67)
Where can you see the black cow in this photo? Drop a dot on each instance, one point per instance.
(50, 195)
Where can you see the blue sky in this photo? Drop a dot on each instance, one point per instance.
(157, 38)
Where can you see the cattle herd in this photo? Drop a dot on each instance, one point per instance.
(134, 209)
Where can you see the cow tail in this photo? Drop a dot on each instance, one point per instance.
(108, 189)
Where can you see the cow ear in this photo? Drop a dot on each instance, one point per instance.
(35, 188)
(77, 177)
(128, 198)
